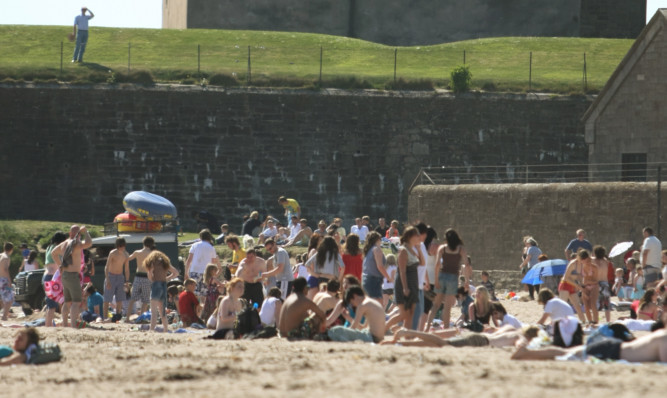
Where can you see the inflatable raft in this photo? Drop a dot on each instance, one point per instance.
(149, 207)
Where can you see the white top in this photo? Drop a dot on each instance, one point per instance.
(270, 232)
(81, 22)
(430, 268)
(558, 309)
(361, 231)
(268, 312)
(331, 266)
(202, 254)
(512, 321)
(389, 285)
(654, 247)
(302, 271)
(30, 267)
(294, 230)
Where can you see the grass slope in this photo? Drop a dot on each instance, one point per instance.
(293, 59)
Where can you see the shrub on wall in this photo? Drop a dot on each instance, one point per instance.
(461, 78)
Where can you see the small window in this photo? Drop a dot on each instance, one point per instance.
(633, 167)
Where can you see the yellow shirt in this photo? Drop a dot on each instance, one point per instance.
(238, 255)
(292, 206)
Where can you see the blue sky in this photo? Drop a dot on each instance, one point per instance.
(116, 13)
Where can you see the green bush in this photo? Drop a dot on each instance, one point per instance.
(461, 78)
(220, 79)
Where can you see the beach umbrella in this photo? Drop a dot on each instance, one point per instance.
(545, 268)
(619, 249)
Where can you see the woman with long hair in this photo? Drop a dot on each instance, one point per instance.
(352, 256)
(648, 309)
(531, 254)
(373, 269)
(327, 263)
(482, 308)
(406, 288)
(451, 255)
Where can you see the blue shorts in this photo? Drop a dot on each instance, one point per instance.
(159, 292)
(449, 283)
(313, 282)
(50, 304)
(372, 285)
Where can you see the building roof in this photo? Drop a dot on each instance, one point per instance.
(652, 29)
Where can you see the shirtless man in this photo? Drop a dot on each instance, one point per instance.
(365, 307)
(604, 298)
(6, 289)
(506, 336)
(250, 270)
(328, 299)
(141, 287)
(114, 282)
(68, 256)
(295, 319)
(303, 236)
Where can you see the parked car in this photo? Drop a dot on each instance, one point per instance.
(29, 291)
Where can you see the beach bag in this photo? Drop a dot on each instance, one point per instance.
(475, 326)
(45, 353)
(247, 321)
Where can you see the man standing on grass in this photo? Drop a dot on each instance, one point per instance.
(80, 29)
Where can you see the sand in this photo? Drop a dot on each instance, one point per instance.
(121, 362)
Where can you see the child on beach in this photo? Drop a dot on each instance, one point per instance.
(213, 288)
(617, 289)
(30, 263)
(159, 269)
(94, 303)
(464, 298)
(388, 284)
(270, 312)
(489, 285)
(229, 307)
(188, 304)
(24, 344)
(502, 318)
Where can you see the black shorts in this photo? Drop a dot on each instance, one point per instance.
(605, 349)
(253, 292)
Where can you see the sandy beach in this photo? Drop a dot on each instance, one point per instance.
(117, 361)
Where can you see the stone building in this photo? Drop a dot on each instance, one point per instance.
(627, 123)
(407, 22)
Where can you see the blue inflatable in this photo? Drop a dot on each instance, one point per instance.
(149, 206)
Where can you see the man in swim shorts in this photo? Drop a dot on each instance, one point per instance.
(116, 272)
(506, 336)
(141, 287)
(250, 270)
(6, 288)
(295, 319)
(68, 256)
(365, 307)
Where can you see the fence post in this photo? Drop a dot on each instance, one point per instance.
(199, 60)
(530, 72)
(248, 75)
(585, 76)
(321, 51)
(464, 57)
(659, 195)
(129, 47)
(61, 58)
(395, 60)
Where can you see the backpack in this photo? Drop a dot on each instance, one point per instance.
(45, 353)
(67, 254)
(247, 321)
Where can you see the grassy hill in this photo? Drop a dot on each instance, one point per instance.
(281, 59)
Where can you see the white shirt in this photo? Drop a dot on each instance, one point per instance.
(202, 254)
(294, 230)
(386, 284)
(302, 271)
(361, 231)
(30, 267)
(512, 321)
(268, 312)
(81, 22)
(558, 309)
(653, 245)
(270, 232)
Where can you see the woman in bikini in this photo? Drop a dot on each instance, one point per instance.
(569, 287)
(648, 309)
(230, 306)
(482, 308)
(591, 290)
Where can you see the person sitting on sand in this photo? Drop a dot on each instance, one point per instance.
(328, 299)
(648, 310)
(229, 308)
(482, 308)
(26, 341)
(366, 308)
(295, 320)
(506, 336)
(94, 303)
(648, 348)
(159, 269)
(502, 318)
(463, 297)
(189, 307)
(269, 314)
(554, 308)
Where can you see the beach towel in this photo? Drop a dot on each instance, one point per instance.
(54, 288)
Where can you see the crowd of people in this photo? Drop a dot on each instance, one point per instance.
(345, 288)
